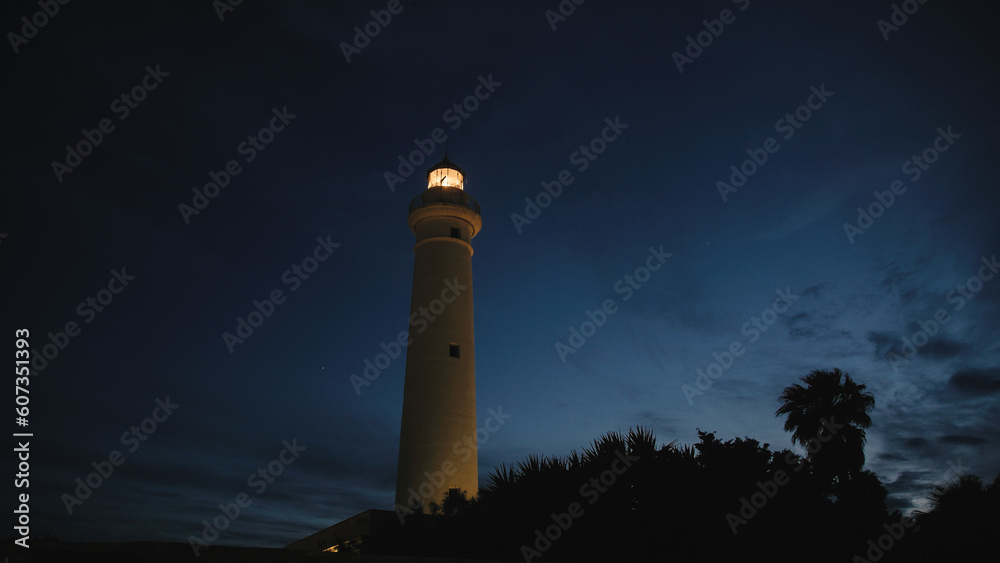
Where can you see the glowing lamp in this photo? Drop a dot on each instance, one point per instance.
(445, 174)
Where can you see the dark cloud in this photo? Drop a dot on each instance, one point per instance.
(915, 443)
(903, 345)
(896, 275)
(799, 326)
(883, 342)
(799, 333)
(816, 321)
(880, 339)
(976, 381)
(943, 348)
(909, 482)
(959, 439)
(894, 503)
(909, 297)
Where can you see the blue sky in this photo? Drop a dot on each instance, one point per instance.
(323, 174)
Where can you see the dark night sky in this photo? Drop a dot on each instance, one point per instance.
(853, 298)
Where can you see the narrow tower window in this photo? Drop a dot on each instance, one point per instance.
(454, 350)
(456, 232)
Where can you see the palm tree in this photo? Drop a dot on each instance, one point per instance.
(961, 523)
(965, 495)
(828, 416)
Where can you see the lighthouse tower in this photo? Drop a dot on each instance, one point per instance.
(437, 440)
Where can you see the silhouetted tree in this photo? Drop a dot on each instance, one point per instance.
(960, 524)
(966, 494)
(624, 498)
(828, 416)
(860, 512)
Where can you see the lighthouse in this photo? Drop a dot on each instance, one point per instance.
(437, 439)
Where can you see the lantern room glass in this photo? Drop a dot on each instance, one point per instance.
(446, 177)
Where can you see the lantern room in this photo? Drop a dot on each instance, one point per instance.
(445, 174)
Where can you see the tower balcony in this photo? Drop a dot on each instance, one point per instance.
(446, 196)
